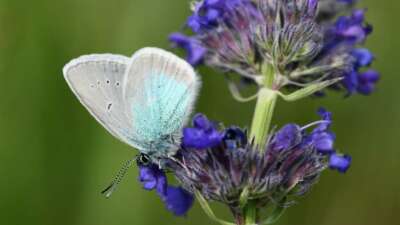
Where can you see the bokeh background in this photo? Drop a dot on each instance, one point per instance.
(55, 159)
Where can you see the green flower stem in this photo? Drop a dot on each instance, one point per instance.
(264, 110)
(250, 214)
(262, 117)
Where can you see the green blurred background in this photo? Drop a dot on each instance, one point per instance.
(55, 159)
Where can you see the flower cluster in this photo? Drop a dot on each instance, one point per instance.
(224, 169)
(305, 45)
(302, 41)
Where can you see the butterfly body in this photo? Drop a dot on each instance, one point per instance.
(144, 100)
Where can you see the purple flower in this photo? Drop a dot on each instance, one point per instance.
(326, 116)
(350, 82)
(234, 138)
(363, 57)
(203, 135)
(200, 121)
(176, 199)
(342, 39)
(195, 51)
(367, 82)
(349, 29)
(152, 177)
(321, 137)
(352, 29)
(207, 13)
(364, 83)
(323, 142)
(340, 163)
(286, 138)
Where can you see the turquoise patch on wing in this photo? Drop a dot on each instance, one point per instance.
(162, 110)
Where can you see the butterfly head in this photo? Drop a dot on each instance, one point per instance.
(143, 160)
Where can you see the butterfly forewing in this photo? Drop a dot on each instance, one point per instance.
(97, 81)
(162, 88)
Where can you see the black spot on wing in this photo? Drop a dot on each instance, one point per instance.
(109, 106)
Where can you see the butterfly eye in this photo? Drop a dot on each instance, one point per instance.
(143, 160)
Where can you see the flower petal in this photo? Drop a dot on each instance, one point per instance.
(340, 163)
(286, 138)
(178, 200)
(203, 135)
(195, 52)
(152, 177)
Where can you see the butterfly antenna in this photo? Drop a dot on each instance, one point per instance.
(120, 175)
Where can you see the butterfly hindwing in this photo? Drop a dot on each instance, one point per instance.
(168, 88)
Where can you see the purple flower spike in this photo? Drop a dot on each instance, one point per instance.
(320, 40)
(340, 163)
(293, 160)
(203, 135)
(178, 200)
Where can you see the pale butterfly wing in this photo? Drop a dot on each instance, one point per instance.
(143, 101)
(97, 81)
(162, 89)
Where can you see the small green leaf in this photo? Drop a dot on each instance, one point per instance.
(207, 209)
(309, 90)
(314, 70)
(237, 95)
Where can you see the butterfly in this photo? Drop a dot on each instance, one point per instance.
(144, 100)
